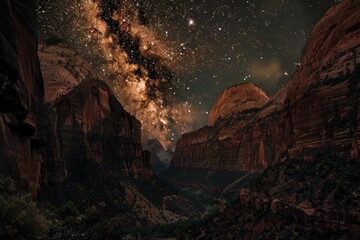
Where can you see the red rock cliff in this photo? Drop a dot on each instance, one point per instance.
(91, 135)
(237, 99)
(22, 106)
(316, 113)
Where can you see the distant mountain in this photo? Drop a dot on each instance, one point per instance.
(237, 99)
(160, 158)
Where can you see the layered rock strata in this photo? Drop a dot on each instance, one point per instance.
(21, 95)
(237, 99)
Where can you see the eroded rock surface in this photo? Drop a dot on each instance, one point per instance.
(21, 95)
(237, 99)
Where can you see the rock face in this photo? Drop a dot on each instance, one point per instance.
(91, 136)
(233, 143)
(21, 95)
(316, 113)
(321, 109)
(237, 99)
(63, 69)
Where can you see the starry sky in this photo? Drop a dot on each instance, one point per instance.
(169, 60)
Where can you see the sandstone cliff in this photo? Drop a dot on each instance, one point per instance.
(91, 136)
(22, 106)
(237, 99)
(316, 113)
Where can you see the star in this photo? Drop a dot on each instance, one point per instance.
(191, 22)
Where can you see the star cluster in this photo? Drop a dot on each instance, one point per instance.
(168, 60)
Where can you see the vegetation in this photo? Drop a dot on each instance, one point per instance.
(19, 217)
(328, 182)
(173, 229)
(205, 177)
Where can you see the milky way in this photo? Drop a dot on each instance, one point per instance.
(168, 60)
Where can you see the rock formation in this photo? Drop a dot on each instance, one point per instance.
(22, 105)
(91, 136)
(160, 159)
(237, 99)
(316, 113)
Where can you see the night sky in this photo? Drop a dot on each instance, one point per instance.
(168, 60)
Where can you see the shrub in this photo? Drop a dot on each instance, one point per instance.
(68, 210)
(19, 216)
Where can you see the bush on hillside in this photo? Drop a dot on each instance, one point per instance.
(19, 216)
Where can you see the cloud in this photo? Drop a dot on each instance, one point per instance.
(265, 72)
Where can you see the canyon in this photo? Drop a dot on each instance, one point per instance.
(286, 164)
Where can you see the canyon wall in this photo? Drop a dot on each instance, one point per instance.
(90, 134)
(22, 107)
(316, 113)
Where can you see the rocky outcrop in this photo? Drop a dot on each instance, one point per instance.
(21, 95)
(91, 136)
(240, 142)
(316, 113)
(237, 99)
(63, 69)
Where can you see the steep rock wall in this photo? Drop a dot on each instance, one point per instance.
(21, 96)
(90, 136)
